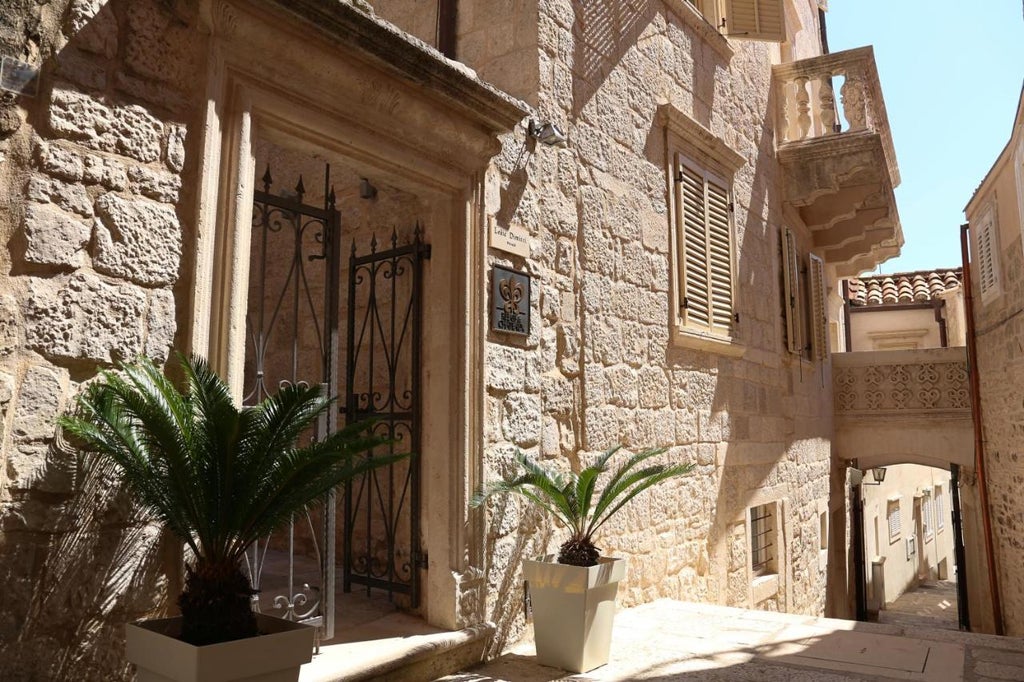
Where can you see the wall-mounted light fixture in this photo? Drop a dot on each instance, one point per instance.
(366, 189)
(547, 133)
(878, 473)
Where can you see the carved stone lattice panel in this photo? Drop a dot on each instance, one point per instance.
(921, 387)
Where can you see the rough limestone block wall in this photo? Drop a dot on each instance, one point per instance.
(599, 367)
(1001, 371)
(93, 178)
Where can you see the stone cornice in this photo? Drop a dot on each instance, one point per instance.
(353, 29)
(700, 137)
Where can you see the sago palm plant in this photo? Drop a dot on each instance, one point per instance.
(570, 496)
(217, 476)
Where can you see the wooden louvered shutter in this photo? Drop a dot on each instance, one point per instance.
(719, 256)
(696, 289)
(755, 20)
(819, 310)
(988, 256)
(791, 280)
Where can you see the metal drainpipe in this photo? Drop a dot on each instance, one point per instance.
(979, 460)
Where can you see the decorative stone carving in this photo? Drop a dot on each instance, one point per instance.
(922, 386)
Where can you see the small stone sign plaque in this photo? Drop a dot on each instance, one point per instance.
(18, 77)
(510, 301)
(511, 239)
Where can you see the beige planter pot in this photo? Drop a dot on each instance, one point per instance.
(573, 611)
(275, 656)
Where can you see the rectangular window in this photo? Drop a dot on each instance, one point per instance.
(986, 256)
(940, 509)
(892, 514)
(928, 515)
(745, 19)
(762, 540)
(755, 20)
(804, 300)
(705, 239)
(704, 299)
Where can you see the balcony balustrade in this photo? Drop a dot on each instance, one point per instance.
(839, 162)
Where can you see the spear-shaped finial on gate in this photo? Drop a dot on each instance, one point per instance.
(394, 237)
(300, 189)
(267, 180)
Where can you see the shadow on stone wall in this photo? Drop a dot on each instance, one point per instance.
(76, 566)
(505, 587)
(93, 170)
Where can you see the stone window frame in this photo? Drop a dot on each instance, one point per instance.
(894, 520)
(940, 523)
(689, 144)
(766, 576)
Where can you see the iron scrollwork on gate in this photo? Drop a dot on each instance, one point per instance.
(382, 509)
(292, 338)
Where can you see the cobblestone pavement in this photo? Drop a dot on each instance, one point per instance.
(931, 604)
(669, 640)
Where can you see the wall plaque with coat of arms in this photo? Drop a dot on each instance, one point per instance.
(510, 301)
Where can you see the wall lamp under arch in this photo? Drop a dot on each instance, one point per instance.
(878, 473)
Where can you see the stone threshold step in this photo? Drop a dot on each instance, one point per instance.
(411, 658)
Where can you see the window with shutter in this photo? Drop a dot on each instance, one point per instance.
(819, 310)
(793, 299)
(804, 300)
(704, 238)
(704, 298)
(940, 509)
(755, 20)
(987, 259)
(893, 517)
(928, 514)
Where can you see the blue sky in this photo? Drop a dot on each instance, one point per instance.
(951, 75)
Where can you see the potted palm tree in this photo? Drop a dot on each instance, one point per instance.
(219, 477)
(573, 598)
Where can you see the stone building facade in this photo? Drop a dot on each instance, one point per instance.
(683, 249)
(996, 217)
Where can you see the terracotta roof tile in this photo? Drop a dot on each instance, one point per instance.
(903, 287)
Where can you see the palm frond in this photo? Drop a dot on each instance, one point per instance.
(216, 475)
(569, 496)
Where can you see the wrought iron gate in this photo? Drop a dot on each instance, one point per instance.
(292, 338)
(382, 509)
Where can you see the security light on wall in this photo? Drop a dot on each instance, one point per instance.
(547, 133)
(878, 473)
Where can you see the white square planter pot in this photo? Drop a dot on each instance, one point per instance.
(573, 611)
(275, 656)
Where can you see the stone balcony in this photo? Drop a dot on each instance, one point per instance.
(839, 163)
(905, 406)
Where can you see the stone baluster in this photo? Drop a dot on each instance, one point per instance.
(803, 108)
(784, 121)
(827, 105)
(854, 100)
